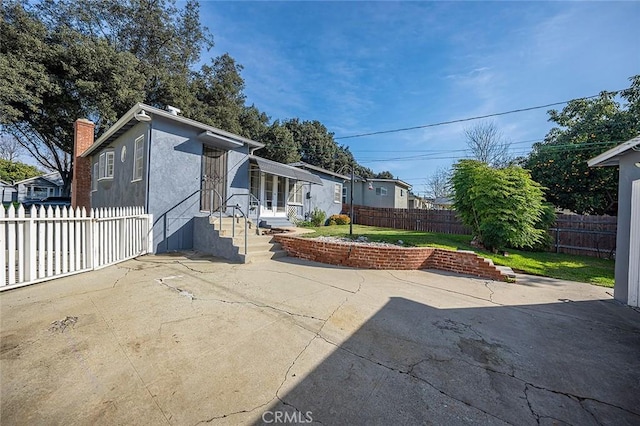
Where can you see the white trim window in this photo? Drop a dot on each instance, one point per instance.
(337, 193)
(381, 190)
(106, 165)
(94, 177)
(138, 159)
(295, 192)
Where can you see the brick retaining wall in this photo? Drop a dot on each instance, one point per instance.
(382, 257)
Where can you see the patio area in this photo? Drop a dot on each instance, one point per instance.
(182, 340)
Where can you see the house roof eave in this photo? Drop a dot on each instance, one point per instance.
(612, 156)
(128, 120)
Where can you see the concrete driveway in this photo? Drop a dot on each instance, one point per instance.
(185, 341)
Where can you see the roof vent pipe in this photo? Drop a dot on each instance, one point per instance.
(173, 110)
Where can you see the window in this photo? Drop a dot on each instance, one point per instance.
(105, 167)
(381, 190)
(337, 193)
(39, 192)
(402, 192)
(138, 157)
(344, 194)
(94, 177)
(295, 192)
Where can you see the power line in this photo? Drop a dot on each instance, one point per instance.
(435, 156)
(461, 120)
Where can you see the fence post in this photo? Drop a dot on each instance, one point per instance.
(2, 248)
(557, 239)
(149, 233)
(94, 238)
(32, 246)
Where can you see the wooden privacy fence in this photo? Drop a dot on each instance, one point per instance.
(573, 234)
(46, 243)
(442, 221)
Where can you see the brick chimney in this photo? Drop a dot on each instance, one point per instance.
(81, 183)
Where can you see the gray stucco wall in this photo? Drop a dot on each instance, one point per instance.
(121, 191)
(322, 197)
(175, 180)
(627, 174)
(364, 196)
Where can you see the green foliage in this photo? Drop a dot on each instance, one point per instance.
(305, 224)
(384, 175)
(279, 144)
(339, 219)
(318, 217)
(501, 206)
(586, 128)
(15, 171)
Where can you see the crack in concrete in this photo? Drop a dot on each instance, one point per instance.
(234, 413)
(315, 281)
(578, 398)
(491, 292)
(410, 374)
(286, 374)
(122, 277)
(193, 297)
(535, 415)
(181, 263)
(522, 308)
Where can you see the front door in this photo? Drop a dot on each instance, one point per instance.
(275, 192)
(214, 179)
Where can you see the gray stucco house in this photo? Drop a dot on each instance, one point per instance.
(180, 170)
(328, 197)
(627, 157)
(389, 193)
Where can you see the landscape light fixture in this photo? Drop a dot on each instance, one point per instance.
(142, 116)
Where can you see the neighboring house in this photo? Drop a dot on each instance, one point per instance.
(391, 193)
(9, 192)
(328, 197)
(180, 170)
(417, 202)
(627, 157)
(39, 187)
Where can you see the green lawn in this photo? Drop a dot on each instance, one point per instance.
(563, 266)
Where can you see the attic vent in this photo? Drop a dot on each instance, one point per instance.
(173, 110)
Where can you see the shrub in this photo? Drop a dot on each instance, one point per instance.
(318, 217)
(332, 222)
(504, 207)
(304, 224)
(340, 219)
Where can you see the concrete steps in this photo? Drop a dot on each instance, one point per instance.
(259, 247)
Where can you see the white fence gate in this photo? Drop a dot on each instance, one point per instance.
(48, 243)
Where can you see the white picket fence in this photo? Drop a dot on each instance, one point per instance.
(48, 243)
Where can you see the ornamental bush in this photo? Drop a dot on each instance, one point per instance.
(503, 207)
(318, 217)
(340, 219)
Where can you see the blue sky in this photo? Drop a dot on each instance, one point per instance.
(361, 67)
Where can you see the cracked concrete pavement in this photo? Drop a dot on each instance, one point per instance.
(184, 341)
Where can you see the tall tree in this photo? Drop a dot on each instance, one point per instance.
(487, 144)
(439, 183)
(60, 61)
(503, 207)
(10, 148)
(279, 144)
(586, 128)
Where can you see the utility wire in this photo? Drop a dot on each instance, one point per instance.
(461, 120)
